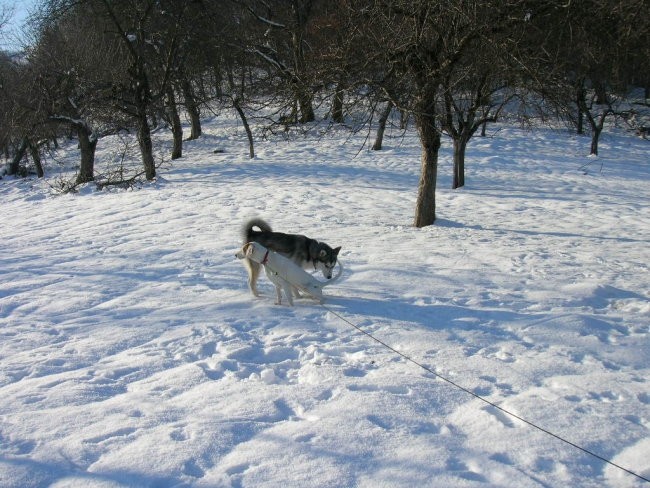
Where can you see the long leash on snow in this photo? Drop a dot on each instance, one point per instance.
(484, 400)
(302, 280)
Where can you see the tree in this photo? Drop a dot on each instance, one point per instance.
(5, 104)
(73, 84)
(5, 17)
(24, 127)
(471, 99)
(281, 42)
(184, 28)
(596, 49)
(149, 32)
(131, 21)
(383, 119)
(421, 49)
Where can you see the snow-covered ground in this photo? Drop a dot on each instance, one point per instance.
(132, 354)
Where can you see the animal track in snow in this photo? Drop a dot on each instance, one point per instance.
(502, 417)
(644, 398)
(124, 432)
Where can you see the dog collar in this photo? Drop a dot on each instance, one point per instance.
(266, 257)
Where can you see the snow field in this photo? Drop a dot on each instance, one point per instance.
(132, 354)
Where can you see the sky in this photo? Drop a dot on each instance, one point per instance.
(20, 10)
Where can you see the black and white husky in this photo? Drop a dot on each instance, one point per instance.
(305, 252)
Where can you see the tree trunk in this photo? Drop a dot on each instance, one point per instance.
(302, 91)
(460, 144)
(4, 146)
(379, 139)
(15, 162)
(87, 146)
(595, 125)
(580, 129)
(142, 95)
(146, 147)
(425, 207)
(596, 129)
(249, 134)
(177, 128)
(36, 157)
(403, 119)
(193, 110)
(601, 94)
(305, 104)
(337, 105)
(595, 136)
(580, 102)
(218, 81)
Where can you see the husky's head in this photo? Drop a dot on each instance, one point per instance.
(325, 260)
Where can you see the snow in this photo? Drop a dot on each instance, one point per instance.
(132, 353)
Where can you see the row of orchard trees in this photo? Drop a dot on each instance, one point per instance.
(94, 67)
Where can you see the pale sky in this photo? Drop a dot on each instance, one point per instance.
(20, 10)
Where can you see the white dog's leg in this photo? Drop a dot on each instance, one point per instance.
(280, 285)
(287, 292)
(278, 293)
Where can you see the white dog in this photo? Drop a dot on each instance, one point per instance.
(282, 272)
(280, 283)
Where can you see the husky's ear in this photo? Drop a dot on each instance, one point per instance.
(322, 253)
(336, 250)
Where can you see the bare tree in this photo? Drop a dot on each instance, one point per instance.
(24, 126)
(281, 41)
(383, 120)
(5, 17)
(596, 49)
(72, 83)
(5, 104)
(469, 104)
(422, 49)
(174, 119)
(149, 32)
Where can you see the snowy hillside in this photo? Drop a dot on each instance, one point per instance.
(132, 354)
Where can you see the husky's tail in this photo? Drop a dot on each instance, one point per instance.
(247, 230)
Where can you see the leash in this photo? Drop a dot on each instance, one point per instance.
(445, 379)
(479, 397)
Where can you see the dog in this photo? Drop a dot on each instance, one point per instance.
(305, 252)
(280, 283)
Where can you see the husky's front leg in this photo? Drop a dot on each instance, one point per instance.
(253, 269)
